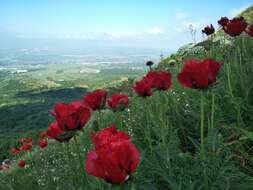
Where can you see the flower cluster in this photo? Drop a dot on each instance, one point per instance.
(25, 145)
(159, 80)
(235, 26)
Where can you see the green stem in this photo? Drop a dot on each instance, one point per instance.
(147, 117)
(85, 179)
(212, 111)
(68, 152)
(202, 153)
(229, 80)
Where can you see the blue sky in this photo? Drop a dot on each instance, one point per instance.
(136, 23)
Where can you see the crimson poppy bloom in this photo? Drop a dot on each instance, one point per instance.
(143, 88)
(96, 100)
(43, 143)
(115, 157)
(208, 30)
(118, 102)
(223, 21)
(55, 132)
(71, 117)
(199, 74)
(249, 30)
(21, 163)
(235, 26)
(26, 146)
(160, 80)
(108, 135)
(15, 151)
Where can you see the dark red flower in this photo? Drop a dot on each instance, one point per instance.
(223, 21)
(149, 63)
(199, 74)
(235, 26)
(26, 146)
(208, 30)
(26, 140)
(43, 143)
(43, 134)
(118, 102)
(108, 135)
(160, 80)
(55, 132)
(96, 100)
(15, 151)
(143, 88)
(21, 163)
(113, 160)
(71, 117)
(249, 30)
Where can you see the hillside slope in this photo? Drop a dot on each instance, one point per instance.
(165, 128)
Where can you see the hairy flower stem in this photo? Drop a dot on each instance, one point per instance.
(68, 152)
(229, 80)
(147, 117)
(84, 177)
(212, 110)
(202, 146)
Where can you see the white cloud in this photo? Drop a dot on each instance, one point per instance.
(155, 31)
(78, 37)
(237, 11)
(121, 34)
(181, 14)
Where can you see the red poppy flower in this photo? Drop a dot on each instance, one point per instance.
(249, 30)
(55, 132)
(143, 88)
(43, 143)
(71, 116)
(199, 74)
(160, 80)
(208, 30)
(26, 146)
(96, 100)
(21, 163)
(108, 135)
(115, 160)
(223, 21)
(118, 102)
(15, 151)
(235, 26)
(26, 140)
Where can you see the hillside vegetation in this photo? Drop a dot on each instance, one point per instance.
(165, 128)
